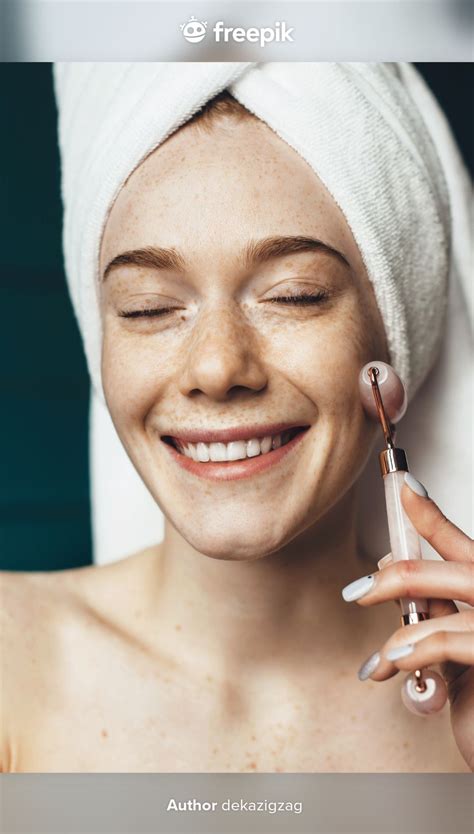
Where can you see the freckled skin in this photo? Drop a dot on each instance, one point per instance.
(227, 357)
(227, 647)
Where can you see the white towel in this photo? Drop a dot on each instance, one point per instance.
(377, 139)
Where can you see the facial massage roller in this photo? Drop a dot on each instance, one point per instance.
(423, 692)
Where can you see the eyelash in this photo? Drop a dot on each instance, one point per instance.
(302, 299)
(135, 314)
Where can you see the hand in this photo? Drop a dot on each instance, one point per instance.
(447, 638)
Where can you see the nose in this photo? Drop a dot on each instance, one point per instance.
(223, 358)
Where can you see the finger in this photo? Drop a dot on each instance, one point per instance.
(411, 578)
(454, 662)
(437, 607)
(462, 621)
(452, 650)
(447, 539)
(440, 647)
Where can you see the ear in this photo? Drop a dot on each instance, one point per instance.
(391, 388)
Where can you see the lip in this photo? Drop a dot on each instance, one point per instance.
(235, 470)
(227, 435)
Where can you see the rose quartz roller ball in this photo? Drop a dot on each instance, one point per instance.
(391, 388)
(431, 698)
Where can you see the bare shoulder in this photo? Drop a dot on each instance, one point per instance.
(26, 614)
(33, 603)
(43, 617)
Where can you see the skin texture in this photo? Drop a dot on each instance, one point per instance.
(227, 356)
(229, 646)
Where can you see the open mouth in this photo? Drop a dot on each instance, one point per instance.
(235, 450)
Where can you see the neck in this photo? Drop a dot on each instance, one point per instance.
(242, 618)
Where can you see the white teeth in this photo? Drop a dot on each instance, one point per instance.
(202, 452)
(217, 451)
(266, 445)
(253, 448)
(192, 451)
(235, 450)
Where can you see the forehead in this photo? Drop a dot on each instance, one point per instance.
(203, 191)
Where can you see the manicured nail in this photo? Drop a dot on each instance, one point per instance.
(400, 651)
(357, 589)
(415, 485)
(385, 560)
(369, 666)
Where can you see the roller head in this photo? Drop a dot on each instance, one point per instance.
(391, 389)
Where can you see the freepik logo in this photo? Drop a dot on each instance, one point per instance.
(263, 35)
(194, 31)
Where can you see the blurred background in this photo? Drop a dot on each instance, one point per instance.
(44, 492)
(44, 487)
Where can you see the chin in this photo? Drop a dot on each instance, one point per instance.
(234, 545)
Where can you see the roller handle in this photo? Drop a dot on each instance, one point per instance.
(404, 539)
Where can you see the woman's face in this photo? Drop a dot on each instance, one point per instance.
(216, 339)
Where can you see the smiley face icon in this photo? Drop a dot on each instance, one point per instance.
(194, 30)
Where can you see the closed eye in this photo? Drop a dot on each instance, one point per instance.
(304, 298)
(152, 313)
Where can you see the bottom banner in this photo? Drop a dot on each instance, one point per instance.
(162, 803)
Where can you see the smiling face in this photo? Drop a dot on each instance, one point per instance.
(244, 328)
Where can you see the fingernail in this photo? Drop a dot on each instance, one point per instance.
(415, 485)
(357, 589)
(400, 651)
(369, 666)
(385, 560)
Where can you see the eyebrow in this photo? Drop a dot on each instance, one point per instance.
(254, 252)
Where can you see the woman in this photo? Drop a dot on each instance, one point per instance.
(234, 303)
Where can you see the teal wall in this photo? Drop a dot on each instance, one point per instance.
(44, 491)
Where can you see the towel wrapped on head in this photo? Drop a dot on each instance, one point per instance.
(378, 141)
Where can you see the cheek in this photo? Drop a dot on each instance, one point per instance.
(323, 356)
(135, 374)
